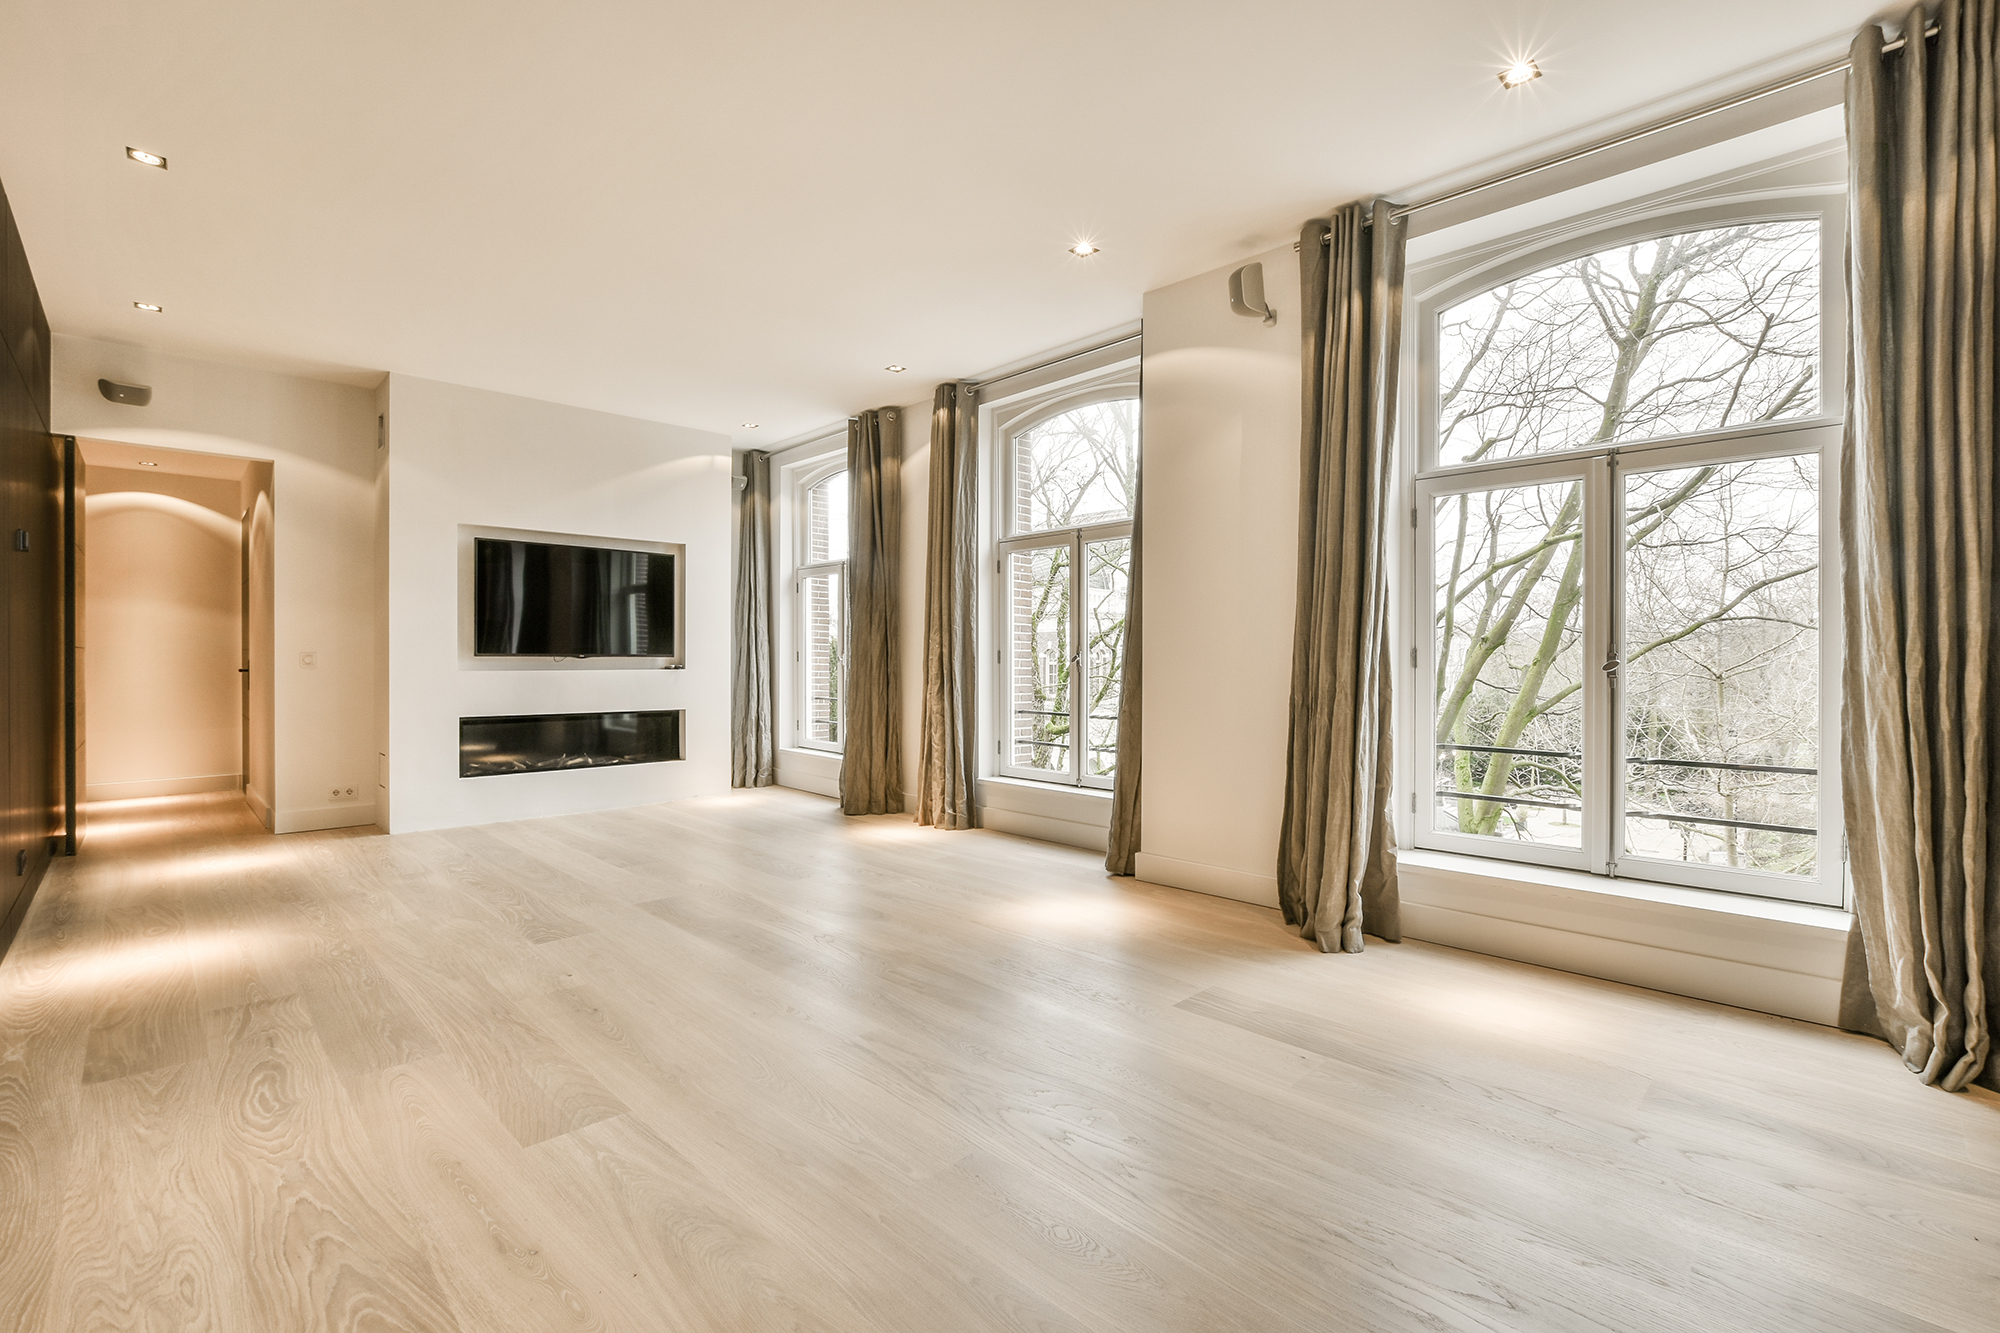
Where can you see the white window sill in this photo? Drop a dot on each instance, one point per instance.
(815, 771)
(1756, 953)
(1053, 812)
(1062, 788)
(1494, 870)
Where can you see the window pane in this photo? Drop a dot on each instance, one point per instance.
(1108, 573)
(826, 615)
(826, 520)
(1078, 468)
(1722, 665)
(1507, 611)
(1663, 337)
(1038, 630)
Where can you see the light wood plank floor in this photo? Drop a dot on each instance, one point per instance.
(740, 1064)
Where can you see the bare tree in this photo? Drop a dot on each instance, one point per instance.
(1685, 333)
(1073, 470)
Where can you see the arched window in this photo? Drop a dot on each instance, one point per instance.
(1070, 487)
(1622, 513)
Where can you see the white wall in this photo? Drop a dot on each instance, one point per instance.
(162, 610)
(1220, 495)
(319, 438)
(460, 457)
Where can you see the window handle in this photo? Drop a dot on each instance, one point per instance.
(1611, 664)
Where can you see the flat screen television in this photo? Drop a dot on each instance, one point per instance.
(534, 599)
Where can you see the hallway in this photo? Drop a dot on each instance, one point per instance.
(739, 1064)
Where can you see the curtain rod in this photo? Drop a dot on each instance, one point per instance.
(1646, 131)
(1044, 365)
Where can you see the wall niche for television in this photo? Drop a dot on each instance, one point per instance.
(539, 601)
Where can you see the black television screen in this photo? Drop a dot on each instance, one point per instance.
(532, 599)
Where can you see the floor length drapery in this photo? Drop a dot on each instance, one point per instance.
(871, 767)
(1122, 852)
(753, 746)
(1336, 874)
(1917, 544)
(945, 754)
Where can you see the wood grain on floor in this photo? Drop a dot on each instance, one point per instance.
(741, 1064)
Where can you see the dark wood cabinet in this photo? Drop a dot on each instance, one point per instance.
(33, 547)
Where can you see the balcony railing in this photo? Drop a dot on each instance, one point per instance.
(1670, 816)
(1063, 745)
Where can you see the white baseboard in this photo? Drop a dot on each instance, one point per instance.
(258, 805)
(346, 815)
(1753, 953)
(1217, 881)
(128, 791)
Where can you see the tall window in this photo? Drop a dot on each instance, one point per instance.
(820, 634)
(1622, 508)
(1070, 479)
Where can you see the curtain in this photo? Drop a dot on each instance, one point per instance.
(1336, 877)
(1121, 857)
(944, 762)
(871, 769)
(1917, 557)
(753, 748)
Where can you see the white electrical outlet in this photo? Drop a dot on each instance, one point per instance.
(309, 660)
(341, 793)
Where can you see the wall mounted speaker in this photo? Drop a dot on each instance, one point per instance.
(132, 395)
(1246, 294)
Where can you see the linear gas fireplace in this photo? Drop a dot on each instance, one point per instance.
(491, 746)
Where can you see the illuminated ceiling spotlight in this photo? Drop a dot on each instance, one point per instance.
(149, 159)
(1083, 249)
(1520, 72)
(749, 425)
(144, 463)
(148, 307)
(895, 370)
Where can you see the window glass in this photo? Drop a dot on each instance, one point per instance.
(824, 613)
(1507, 614)
(1108, 570)
(826, 520)
(1038, 638)
(1721, 648)
(1078, 468)
(1670, 336)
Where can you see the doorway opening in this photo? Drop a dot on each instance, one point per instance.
(174, 639)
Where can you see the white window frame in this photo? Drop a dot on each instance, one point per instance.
(1006, 422)
(799, 479)
(1602, 469)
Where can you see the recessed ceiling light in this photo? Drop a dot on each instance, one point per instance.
(150, 159)
(1520, 72)
(141, 305)
(144, 463)
(895, 370)
(1083, 249)
(749, 425)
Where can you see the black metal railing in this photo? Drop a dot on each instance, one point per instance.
(1676, 763)
(1064, 745)
(1669, 816)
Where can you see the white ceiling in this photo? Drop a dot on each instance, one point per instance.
(722, 213)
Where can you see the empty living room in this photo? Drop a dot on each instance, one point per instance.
(1021, 668)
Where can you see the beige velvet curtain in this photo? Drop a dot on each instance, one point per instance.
(944, 756)
(753, 747)
(1336, 877)
(1917, 501)
(1121, 855)
(871, 769)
